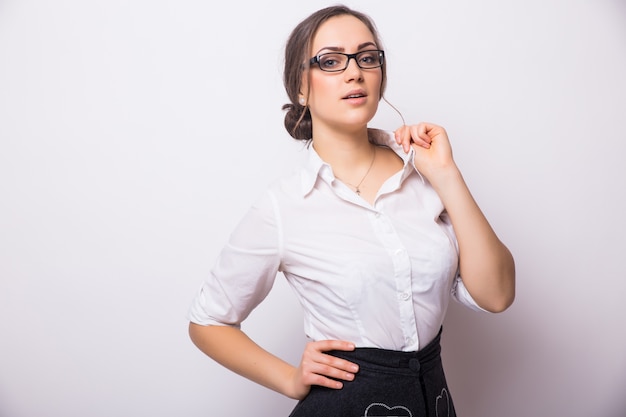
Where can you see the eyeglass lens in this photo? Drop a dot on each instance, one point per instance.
(336, 61)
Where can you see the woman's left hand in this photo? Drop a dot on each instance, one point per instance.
(431, 145)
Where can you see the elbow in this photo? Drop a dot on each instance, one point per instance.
(209, 337)
(192, 331)
(502, 296)
(497, 293)
(196, 333)
(490, 280)
(499, 304)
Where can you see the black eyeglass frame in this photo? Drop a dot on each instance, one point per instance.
(316, 59)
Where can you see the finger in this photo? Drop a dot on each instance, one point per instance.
(398, 132)
(314, 353)
(418, 137)
(315, 373)
(403, 138)
(334, 371)
(326, 345)
(316, 379)
(422, 132)
(339, 364)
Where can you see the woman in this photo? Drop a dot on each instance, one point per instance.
(374, 234)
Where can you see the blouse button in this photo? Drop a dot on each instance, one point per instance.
(404, 296)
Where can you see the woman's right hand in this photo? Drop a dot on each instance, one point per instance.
(319, 368)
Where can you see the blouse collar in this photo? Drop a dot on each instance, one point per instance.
(315, 167)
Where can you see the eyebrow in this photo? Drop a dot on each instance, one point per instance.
(342, 49)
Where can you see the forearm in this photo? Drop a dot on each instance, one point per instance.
(486, 265)
(233, 349)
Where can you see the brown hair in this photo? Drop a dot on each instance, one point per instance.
(298, 118)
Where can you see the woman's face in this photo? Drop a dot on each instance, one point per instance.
(345, 100)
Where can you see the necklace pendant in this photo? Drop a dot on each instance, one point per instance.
(358, 192)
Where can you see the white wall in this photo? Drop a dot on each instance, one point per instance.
(134, 134)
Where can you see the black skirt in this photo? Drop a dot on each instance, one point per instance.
(389, 384)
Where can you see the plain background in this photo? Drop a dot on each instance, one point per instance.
(134, 134)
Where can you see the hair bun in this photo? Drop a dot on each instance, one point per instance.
(298, 125)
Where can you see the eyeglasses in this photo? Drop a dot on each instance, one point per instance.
(337, 61)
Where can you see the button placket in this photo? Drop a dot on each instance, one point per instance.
(402, 274)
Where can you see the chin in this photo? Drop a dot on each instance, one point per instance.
(352, 119)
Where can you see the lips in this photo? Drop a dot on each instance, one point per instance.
(355, 94)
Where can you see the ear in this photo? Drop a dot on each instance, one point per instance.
(304, 91)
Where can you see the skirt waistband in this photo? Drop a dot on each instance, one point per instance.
(415, 360)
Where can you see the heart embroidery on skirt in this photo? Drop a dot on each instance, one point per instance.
(383, 410)
(442, 404)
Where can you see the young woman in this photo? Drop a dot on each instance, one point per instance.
(374, 235)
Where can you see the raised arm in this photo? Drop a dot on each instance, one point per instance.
(486, 265)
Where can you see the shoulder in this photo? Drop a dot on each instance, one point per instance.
(390, 158)
(380, 136)
(282, 189)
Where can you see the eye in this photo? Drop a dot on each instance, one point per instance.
(330, 61)
(369, 57)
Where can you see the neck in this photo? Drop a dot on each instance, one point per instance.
(345, 152)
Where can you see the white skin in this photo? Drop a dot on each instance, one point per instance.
(340, 138)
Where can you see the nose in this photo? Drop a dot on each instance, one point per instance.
(353, 70)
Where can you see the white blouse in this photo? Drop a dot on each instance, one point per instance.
(378, 276)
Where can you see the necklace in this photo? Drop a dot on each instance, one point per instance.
(357, 187)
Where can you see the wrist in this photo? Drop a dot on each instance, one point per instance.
(290, 386)
(444, 176)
